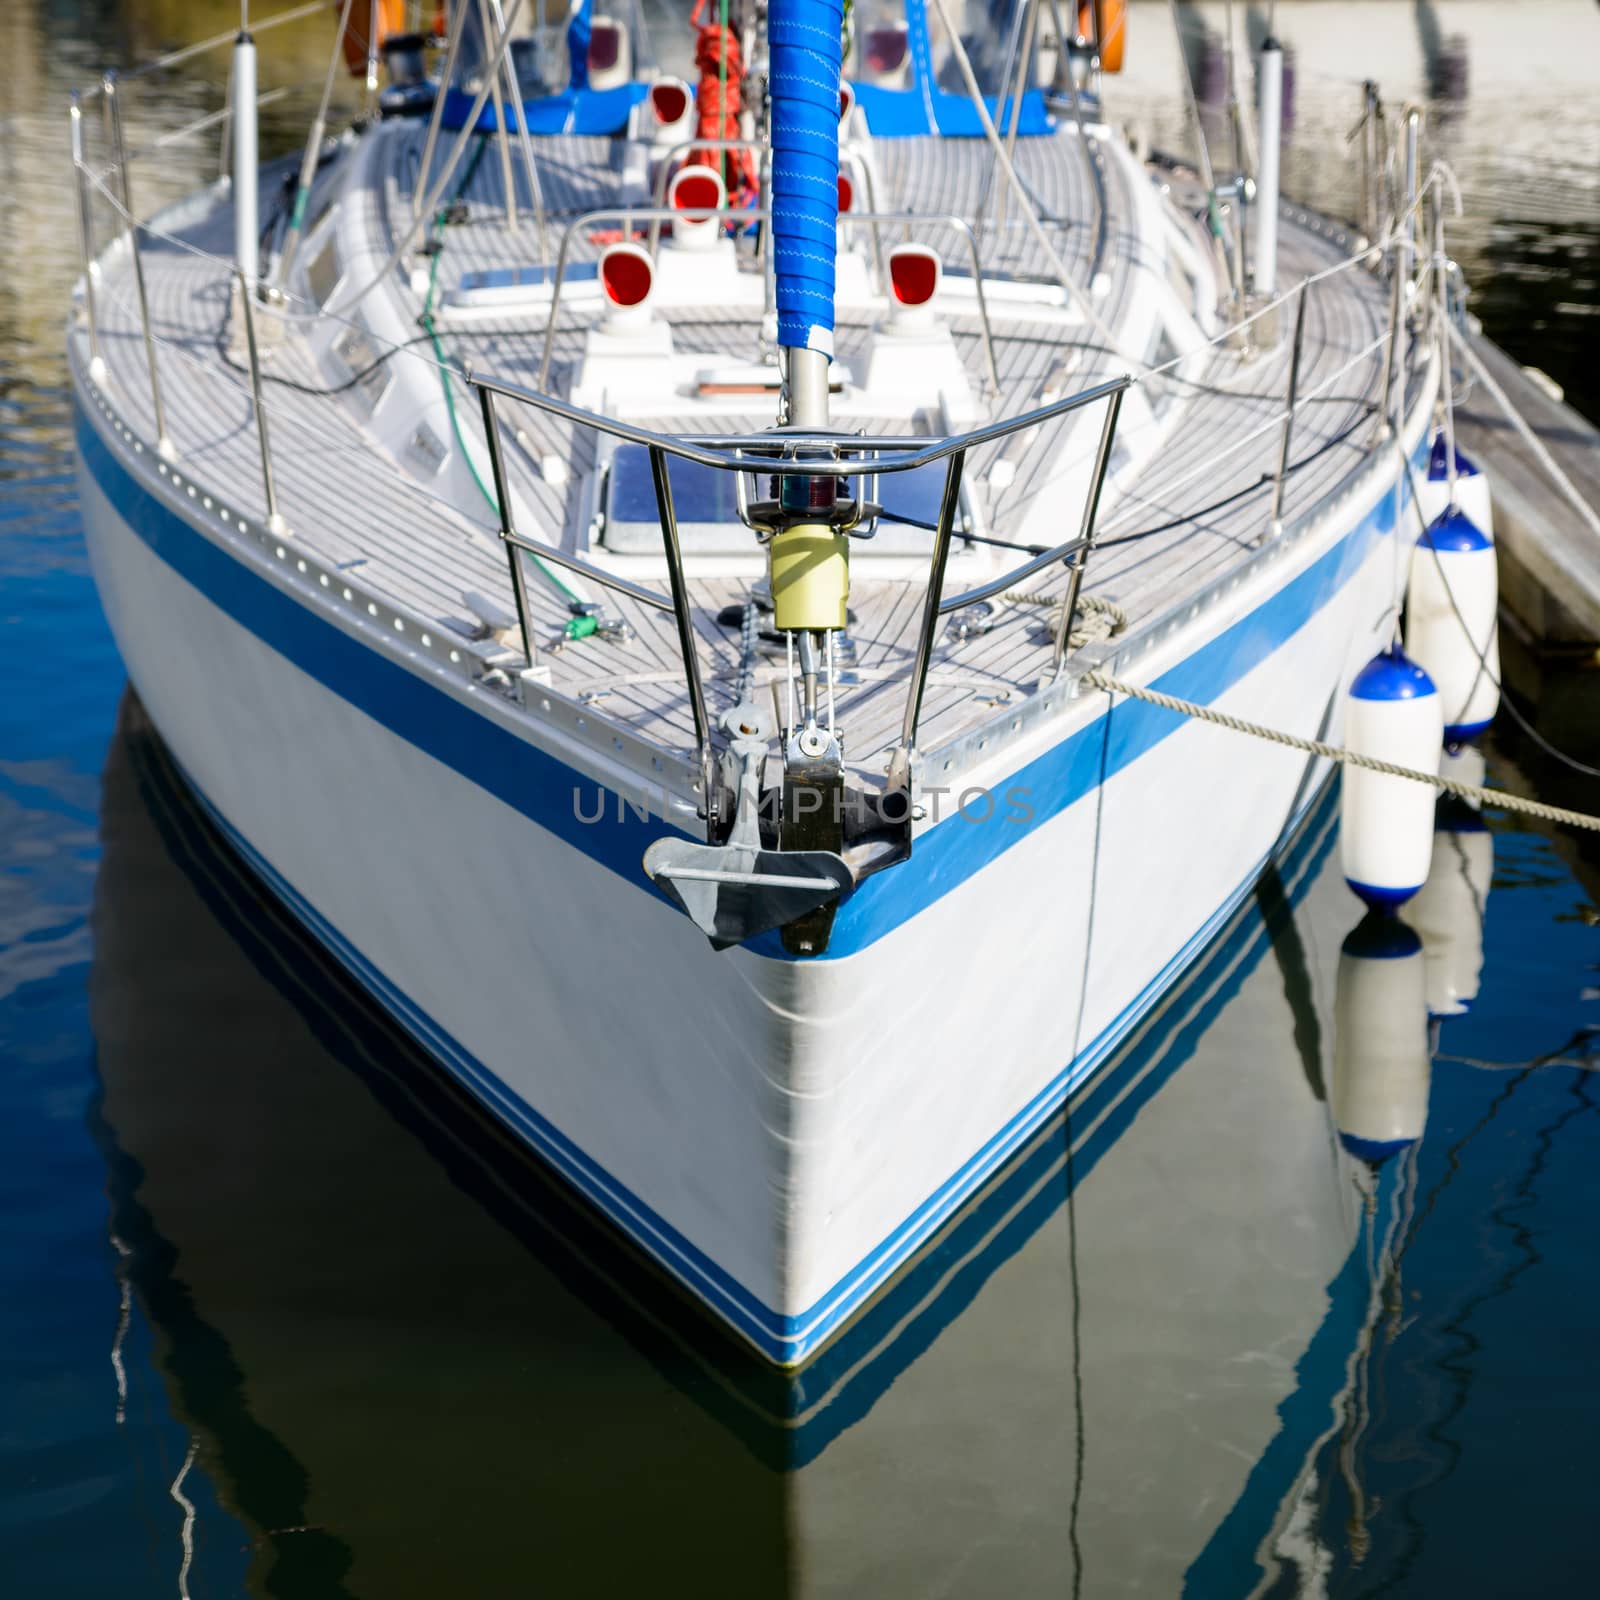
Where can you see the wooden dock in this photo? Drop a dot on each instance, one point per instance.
(1549, 556)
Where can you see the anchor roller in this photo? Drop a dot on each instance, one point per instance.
(735, 891)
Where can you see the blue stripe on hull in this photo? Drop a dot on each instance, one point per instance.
(542, 787)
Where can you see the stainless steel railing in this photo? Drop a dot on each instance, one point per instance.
(786, 454)
(806, 454)
(113, 112)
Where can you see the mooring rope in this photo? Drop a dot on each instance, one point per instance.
(1098, 618)
(1474, 792)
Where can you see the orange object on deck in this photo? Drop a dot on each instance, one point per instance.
(389, 18)
(1108, 24)
(718, 56)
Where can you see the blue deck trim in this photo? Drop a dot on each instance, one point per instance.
(925, 108)
(639, 1221)
(910, 114)
(381, 685)
(947, 855)
(541, 786)
(591, 112)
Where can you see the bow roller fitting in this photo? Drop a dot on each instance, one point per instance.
(804, 42)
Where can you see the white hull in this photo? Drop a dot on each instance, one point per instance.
(781, 1135)
(1168, 1358)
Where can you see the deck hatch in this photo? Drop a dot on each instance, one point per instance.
(706, 502)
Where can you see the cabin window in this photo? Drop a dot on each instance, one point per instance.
(705, 501)
(322, 271)
(359, 358)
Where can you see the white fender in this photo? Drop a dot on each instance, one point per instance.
(1392, 712)
(1452, 630)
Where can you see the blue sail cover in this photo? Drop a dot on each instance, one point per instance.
(925, 108)
(804, 40)
(578, 34)
(574, 109)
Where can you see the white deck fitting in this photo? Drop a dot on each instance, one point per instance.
(349, 506)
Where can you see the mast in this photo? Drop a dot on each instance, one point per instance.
(805, 43)
(809, 571)
(808, 555)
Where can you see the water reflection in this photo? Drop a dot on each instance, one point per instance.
(413, 1366)
(1508, 93)
(1449, 911)
(1216, 1332)
(1381, 1059)
(1189, 1342)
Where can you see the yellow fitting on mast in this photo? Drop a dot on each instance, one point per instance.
(810, 565)
(809, 561)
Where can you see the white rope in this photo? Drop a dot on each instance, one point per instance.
(1529, 437)
(1099, 618)
(1476, 793)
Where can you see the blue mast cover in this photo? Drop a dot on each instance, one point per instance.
(805, 46)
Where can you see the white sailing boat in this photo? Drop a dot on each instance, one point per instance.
(632, 570)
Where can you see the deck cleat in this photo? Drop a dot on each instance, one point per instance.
(589, 617)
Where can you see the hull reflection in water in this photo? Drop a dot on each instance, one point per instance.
(413, 1366)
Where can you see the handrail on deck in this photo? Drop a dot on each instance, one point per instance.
(809, 453)
(914, 450)
(783, 453)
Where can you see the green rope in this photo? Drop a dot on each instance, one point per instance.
(578, 627)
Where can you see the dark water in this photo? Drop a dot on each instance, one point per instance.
(281, 1316)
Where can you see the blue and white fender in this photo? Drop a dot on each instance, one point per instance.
(1452, 603)
(1472, 488)
(1392, 713)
